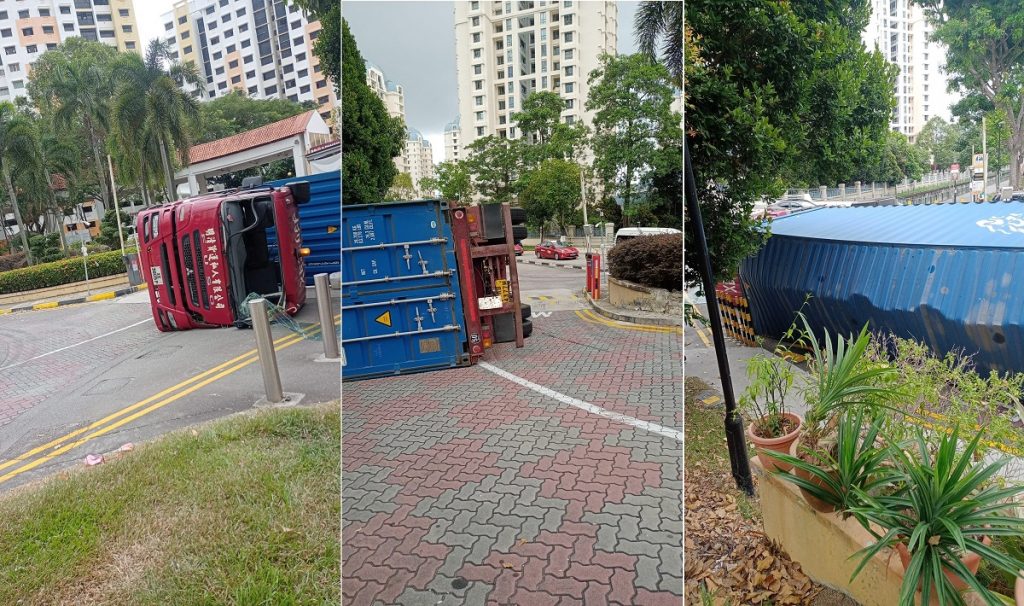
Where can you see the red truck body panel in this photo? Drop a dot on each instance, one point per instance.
(202, 256)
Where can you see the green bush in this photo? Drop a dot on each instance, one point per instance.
(654, 261)
(60, 272)
(45, 248)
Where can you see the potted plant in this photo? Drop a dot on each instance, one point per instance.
(940, 519)
(772, 427)
(836, 478)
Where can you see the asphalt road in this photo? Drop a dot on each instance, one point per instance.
(89, 378)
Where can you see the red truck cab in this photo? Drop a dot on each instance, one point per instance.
(203, 256)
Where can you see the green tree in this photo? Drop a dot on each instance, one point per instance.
(664, 21)
(328, 45)
(151, 106)
(985, 55)
(18, 144)
(401, 188)
(636, 133)
(72, 85)
(938, 139)
(552, 193)
(236, 112)
(496, 165)
(370, 139)
(776, 93)
(108, 229)
(545, 135)
(451, 179)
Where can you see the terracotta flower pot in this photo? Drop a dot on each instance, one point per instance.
(765, 446)
(815, 503)
(970, 559)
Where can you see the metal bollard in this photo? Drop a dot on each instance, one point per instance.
(265, 347)
(323, 306)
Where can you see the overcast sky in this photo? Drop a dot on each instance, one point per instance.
(414, 44)
(147, 14)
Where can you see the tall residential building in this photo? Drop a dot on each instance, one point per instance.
(507, 50)
(263, 47)
(417, 159)
(393, 95)
(452, 134)
(28, 28)
(900, 31)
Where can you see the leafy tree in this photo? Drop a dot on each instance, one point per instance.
(17, 152)
(452, 179)
(985, 55)
(970, 110)
(777, 93)
(108, 229)
(236, 112)
(401, 188)
(938, 139)
(369, 137)
(552, 193)
(662, 20)
(151, 107)
(636, 133)
(546, 136)
(496, 165)
(328, 45)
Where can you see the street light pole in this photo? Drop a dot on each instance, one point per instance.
(733, 423)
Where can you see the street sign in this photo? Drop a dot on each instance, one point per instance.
(977, 186)
(979, 161)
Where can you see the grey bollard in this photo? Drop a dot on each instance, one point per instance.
(323, 306)
(265, 347)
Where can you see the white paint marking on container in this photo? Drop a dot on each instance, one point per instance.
(50, 353)
(591, 408)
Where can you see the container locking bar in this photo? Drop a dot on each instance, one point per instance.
(436, 274)
(395, 244)
(448, 328)
(444, 296)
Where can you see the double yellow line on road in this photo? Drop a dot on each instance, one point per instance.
(117, 419)
(592, 318)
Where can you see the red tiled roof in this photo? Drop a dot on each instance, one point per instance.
(249, 139)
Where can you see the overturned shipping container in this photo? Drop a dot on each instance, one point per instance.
(950, 275)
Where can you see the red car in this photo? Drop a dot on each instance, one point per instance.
(519, 249)
(555, 250)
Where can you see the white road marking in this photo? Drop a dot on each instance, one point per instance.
(50, 353)
(646, 425)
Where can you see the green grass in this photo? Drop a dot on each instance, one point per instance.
(706, 449)
(242, 511)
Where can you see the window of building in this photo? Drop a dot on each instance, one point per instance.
(211, 25)
(267, 60)
(474, 6)
(44, 12)
(476, 100)
(236, 79)
(101, 2)
(229, 48)
(297, 41)
(568, 87)
(567, 19)
(250, 74)
(289, 84)
(323, 100)
(10, 50)
(300, 56)
(476, 38)
(102, 17)
(268, 76)
(51, 45)
(185, 35)
(253, 90)
(106, 33)
(511, 102)
(543, 65)
(187, 49)
(240, 12)
(567, 54)
(567, 36)
(479, 115)
(477, 69)
(14, 67)
(270, 90)
(544, 82)
(570, 103)
(223, 2)
(288, 68)
(209, 10)
(476, 53)
(123, 12)
(168, 26)
(480, 131)
(219, 70)
(304, 89)
(47, 29)
(501, 105)
(233, 63)
(64, 10)
(243, 27)
(226, 18)
(27, 31)
(182, 20)
(222, 85)
(297, 24)
(214, 40)
(23, 14)
(475, 21)
(570, 119)
(247, 44)
(68, 27)
(569, 70)
(131, 46)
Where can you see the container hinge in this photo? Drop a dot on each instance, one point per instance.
(408, 258)
(431, 309)
(419, 320)
(423, 263)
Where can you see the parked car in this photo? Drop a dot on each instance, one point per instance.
(519, 249)
(555, 250)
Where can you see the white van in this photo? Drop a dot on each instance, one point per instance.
(627, 233)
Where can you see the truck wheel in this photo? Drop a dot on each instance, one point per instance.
(518, 215)
(527, 328)
(526, 310)
(519, 232)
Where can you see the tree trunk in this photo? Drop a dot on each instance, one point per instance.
(100, 173)
(17, 212)
(167, 170)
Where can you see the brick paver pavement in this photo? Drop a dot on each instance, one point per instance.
(461, 487)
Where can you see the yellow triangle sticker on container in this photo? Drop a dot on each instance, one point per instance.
(384, 318)
(332, 228)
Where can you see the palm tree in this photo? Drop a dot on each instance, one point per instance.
(662, 19)
(18, 141)
(151, 106)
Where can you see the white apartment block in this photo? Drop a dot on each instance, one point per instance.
(263, 47)
(393, 95)
(507, 50)
(28, 28)
(900, 31)
(417, 159)
(452, 134)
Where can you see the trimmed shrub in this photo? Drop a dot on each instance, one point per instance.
(653, 261)
(60, 272)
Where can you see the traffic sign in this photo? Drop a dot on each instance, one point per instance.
(979, 161)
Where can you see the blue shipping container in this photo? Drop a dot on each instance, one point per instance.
(319, 220)
(949, 275)
(401, 304)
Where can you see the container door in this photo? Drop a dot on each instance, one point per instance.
(401, 303)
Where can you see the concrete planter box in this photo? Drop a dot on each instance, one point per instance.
(628, 295)
(823, 544)
(74, 288)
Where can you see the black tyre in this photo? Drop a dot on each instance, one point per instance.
(518, 215)
(527, 310)
(519, 232)
(527, 328)
(504, 328)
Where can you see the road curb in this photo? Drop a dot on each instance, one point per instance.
(103, 296)
(532, 262)
(624, 315)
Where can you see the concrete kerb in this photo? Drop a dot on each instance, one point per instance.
(103, 296)
(551, 264)
(633, 317)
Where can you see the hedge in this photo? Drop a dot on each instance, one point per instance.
(653, 261)
(60, 272)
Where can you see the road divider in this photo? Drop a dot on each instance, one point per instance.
(46, 452)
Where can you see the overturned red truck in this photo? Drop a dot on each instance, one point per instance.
(203, 256)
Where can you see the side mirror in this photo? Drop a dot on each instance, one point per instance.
(300, 191)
